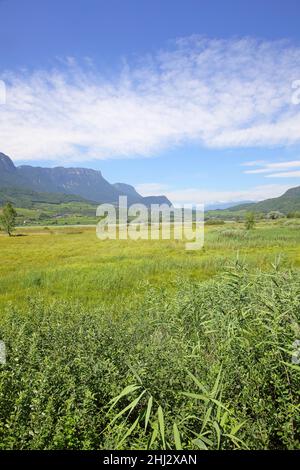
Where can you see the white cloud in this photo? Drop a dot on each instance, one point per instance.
(287, 174)
(257, 171)
(283, 165)
(254, 163)
(148, 189)
(208, 196)
(217, 93)
(269, 168)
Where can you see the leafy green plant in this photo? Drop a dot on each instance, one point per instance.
(188, 365)
(8, 218)
(250, 220)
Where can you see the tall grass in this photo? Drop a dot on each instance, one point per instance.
(64, 264)
(207, 367)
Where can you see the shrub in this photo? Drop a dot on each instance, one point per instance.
(275, 215)
(249, 221)
(293, 215)
(8, 218)
(214, 222)
(208, 368)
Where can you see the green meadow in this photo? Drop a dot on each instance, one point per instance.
(144, 345)
(71, 263)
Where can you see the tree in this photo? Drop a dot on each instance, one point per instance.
(8, 218)
(275, 215)
(293, 215)
(250, 221)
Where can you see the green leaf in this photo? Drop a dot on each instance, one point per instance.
(237, 427)
(292, 366)
(200, 444)
(161, 425)
(127, 390)
(218, 432)
(148, 412)
(154, 434)
(217, 402)
(128, 432)
(237, 441)
(216, 386)
(196, 396)
(177, 439)
(205, 399)
(224, 419)
(129, 407)
(206, 418)
(199, 384)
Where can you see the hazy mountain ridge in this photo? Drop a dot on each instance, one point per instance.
(86, 183)
(287, 202)
(224, 205)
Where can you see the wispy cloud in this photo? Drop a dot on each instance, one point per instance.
(270, 168)
(283, 165)
(217, 93)
(148, 189)
(254, 163)
(257, 171)
(286, 174)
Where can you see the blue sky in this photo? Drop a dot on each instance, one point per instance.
(193, 99)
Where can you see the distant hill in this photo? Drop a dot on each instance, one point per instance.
(288, 202)
(224, 205)
(83, 182)
(148, 200)
(133, 196)
(26, 198)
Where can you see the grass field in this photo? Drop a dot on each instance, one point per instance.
(71, 263)
(200, 342)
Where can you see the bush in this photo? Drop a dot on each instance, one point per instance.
(8, 218)
(293, 215)
(214, 222)
(250, 221)
(275, 215)
(208, 368)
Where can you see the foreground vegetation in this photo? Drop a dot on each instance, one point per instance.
(207, 368)
(136, 345)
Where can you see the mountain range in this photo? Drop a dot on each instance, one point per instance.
(288, 202)
(24, 185)
(79, 183)
(224, 205)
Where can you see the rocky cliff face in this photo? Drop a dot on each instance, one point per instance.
(83, 182)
